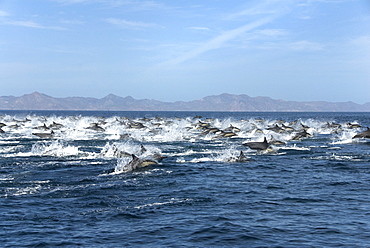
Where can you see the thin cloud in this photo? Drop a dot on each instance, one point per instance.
(129, 24)
(362, 44)
(305, 45)
(362, 41)
(72, 1)
(3, 13)
(72, 22)
(135, 4)
(30, 24)
(267, 7)
(272, 32)
(217, 42)
(199, 28)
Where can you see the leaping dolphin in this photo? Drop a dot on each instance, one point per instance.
(224, 134)
(55, 125)
(231, 128)
(258, 145)
(276, 129)
(45, 135)
(353, 125)
(300, 135)
(95, 127)
(137, 163)
(364, 134)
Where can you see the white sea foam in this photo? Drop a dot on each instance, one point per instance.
(201, 160)
(156, 131)
(122, 165)
(295, 147)
(30, 190)
(171, 201)
(54, 148)
(344, 137)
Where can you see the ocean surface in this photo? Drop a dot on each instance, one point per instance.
(74, 185)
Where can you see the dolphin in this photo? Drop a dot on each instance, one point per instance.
(142, 149)
(43, 127)
(231, 128)
(287, 128)
(119, 154)
(241, 158)
(293, 122)
(96, 127)
(55, 125)
(137, 163)
(276, 129)
(14, 126)
(136, 125)
(226, 134)
(45, 135)
(210, 130)
(305, 127)
(258, 145)
(156, 156)
(145, 119)
(202, 125)
(332, 125)
(301, 135)
(364, 134)
(353, 125)
(124, 136)
(274, 141)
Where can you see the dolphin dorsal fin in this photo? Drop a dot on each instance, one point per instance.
(143, 149)
(241, 155)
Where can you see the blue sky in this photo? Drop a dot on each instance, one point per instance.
(302, 50)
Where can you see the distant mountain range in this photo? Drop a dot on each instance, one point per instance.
(223, 102)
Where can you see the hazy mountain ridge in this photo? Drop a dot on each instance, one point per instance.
(223, 102)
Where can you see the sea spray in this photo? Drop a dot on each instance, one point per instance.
(54, 148)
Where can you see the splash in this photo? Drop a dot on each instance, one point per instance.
(54, 148)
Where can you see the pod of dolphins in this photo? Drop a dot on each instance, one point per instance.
(296, 129)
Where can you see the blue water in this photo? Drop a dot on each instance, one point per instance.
(73, 190)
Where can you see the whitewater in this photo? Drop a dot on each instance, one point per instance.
(66, 179)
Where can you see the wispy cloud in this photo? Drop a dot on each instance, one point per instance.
(199, 28)
(30, 24)
(135, 4)
(73, 1)
(217, 42)
(72, 22)
(362, 41)
(140, 5)
(266, 7)
(362, 44)
(265, 38)
(272, 32)
(305, 45)
(130, 24)
(3, 13)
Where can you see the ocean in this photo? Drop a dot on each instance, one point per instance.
(67, 179)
